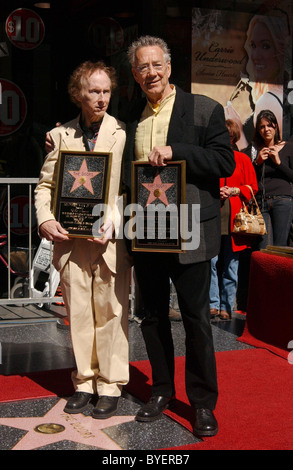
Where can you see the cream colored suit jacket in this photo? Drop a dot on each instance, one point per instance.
(111, 138)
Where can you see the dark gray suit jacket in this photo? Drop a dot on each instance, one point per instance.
(198, 134)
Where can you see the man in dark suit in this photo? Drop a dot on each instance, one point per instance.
(174, 125)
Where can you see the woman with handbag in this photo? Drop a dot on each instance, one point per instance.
(273, 162)
(224, 268)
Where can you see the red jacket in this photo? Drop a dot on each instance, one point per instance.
(244, 174)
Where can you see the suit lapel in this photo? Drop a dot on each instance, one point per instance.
(107, 134)
(106, 139)
(73, 139)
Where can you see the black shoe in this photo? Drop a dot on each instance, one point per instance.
(154, 408)
(205, 423)
(106, 407)
(78, 402)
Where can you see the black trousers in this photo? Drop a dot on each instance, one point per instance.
(192, 281)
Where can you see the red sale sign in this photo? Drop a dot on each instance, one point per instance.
(25, 29)
(13, 107)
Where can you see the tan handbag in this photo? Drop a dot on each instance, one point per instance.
(249, 223)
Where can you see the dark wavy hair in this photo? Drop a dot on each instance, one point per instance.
(271, 118)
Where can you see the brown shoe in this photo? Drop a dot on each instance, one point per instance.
(174, 315)
(224, 315)
(214, 312)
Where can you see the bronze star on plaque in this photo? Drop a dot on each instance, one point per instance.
(157, 190)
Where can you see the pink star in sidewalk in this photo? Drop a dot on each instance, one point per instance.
(78, 428)
(157, 190)
(83, 177)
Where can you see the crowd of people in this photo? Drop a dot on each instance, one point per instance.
(168, 124)
(272, 160)
(233, 190)
(266, 167)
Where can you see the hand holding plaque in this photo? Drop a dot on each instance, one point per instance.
(53, 231)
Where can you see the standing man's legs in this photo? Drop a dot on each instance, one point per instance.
(192, 283)
(229, 278)
(97, 304)
(215, 300)
(76, 287)
(281, 216)
(111, 300)
(152, 275)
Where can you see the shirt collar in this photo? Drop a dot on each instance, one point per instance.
(91, 131)
(157, 107)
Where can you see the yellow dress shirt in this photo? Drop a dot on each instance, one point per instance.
(153, 126)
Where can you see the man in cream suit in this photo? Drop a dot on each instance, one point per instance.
(94, 273)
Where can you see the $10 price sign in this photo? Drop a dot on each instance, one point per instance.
(25, 29)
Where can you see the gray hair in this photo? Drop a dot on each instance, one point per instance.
(145, 41)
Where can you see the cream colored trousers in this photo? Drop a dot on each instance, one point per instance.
(97, 304)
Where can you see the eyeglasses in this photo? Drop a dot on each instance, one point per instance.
(143, 69)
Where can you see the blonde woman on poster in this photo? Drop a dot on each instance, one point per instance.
(265, 47)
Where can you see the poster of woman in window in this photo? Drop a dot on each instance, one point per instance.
(244, 62)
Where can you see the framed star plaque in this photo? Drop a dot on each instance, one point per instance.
(157, 196)
(82, 183)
